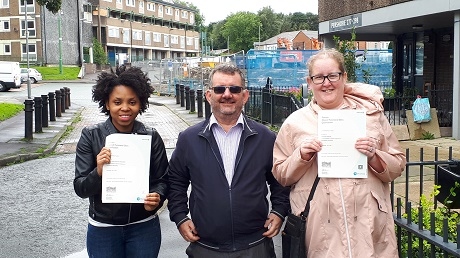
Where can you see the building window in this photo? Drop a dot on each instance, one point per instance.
(156, 37)
(189, 41)
(114, 32)
(184, 14)
(6, 49)
(160, 11)
(30, 28)
(141, 6)
(192, 18)
(4, 3)
(174, 39)
(196, 44)
(32, 52)
(137, 35)
(5, 26)
(168, 11)
(151, 7)
(119, 4)
(130, 3)
(126, 36)
(166, 40)
(30, 6)
(147, 38)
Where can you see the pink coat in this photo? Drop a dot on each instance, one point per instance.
(348, 217)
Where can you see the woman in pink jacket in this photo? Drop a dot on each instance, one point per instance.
(349, 217)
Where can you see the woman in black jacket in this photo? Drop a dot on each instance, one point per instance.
(120, 229)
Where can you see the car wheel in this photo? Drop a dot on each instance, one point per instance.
(33, 80)
(2, 87)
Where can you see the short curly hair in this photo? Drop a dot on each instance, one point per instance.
(132, 77)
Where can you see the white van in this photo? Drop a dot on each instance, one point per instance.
(10, 75)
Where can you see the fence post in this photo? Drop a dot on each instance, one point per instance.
(58, 103)
(28, 108)
(192, 101)
(182, 104)
(52, 106)
(68, 96)
(199, 99)
(45, 110)
(62, 100)
(177, 94)
(38, 114)
(187, 98)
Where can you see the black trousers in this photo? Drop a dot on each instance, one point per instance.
(265, 249)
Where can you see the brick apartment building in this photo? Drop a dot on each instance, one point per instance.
(129, 30)
(426, 37)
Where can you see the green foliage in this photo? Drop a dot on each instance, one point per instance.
(427, 136)
(367, 74)
(52, 5)
(100, 57)
(389, 93)
(348, 48)
(441, 213)
(242, 30)
(52, 72)
(8, 110)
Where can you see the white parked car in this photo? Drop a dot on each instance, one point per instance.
(34, 75)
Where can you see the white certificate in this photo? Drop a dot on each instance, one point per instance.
(338, 130)
(126, 178)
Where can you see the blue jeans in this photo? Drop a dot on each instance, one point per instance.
(136, 240)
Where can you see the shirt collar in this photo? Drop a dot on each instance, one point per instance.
(213, 120)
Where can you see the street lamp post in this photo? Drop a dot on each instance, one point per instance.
(26, 25)
(60, 42)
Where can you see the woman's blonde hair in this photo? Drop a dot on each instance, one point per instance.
(327, 53)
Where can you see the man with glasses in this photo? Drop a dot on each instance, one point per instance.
(227, 159)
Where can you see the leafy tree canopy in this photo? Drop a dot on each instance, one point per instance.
(241, 29)
(52, 5)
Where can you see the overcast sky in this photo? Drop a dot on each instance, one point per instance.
(218, 10)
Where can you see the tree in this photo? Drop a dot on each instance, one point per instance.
(100, 57)
(242, 30)
(52, 5)
(348, 49)
(270, 23)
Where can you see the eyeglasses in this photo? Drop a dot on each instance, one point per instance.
(222, 89)
(332, 77)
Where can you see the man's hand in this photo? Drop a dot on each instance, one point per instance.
(273, 224)
(188, 231)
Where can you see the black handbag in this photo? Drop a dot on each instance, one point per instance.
(293, 235)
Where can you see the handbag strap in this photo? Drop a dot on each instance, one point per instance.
(304, 214)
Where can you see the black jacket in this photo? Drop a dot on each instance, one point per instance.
(227, 218)
(88, 183)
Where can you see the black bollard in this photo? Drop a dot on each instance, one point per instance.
(62, 100)
(45, 110)
(192, 101)
(29, 109)
(182, 104)
(199, 100)
(52, 106)
(177, 94)
(187, 98)
(38, 114)
(207, 109)
(68, 96)
(66, 99)
(58, 103)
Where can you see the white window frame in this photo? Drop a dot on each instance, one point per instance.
(30, 6)
(182, 41)
(137, 35)
(147, 38)
(177, 15)
(141, 6)
(156, 37)
(189, 41)
(2, 25)
(29, 29)
(166, 40)
(4, 4)
(151, 7)
(168, 10)
(160, 11)
(192, 18)
(119, 4)
(126, 36)
(114, 32)
(131, 3)
(184, 14)
(3, 50)
(174, 39)
(32, 54)
(196, 43)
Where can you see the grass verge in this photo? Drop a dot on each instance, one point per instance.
(8, 110)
